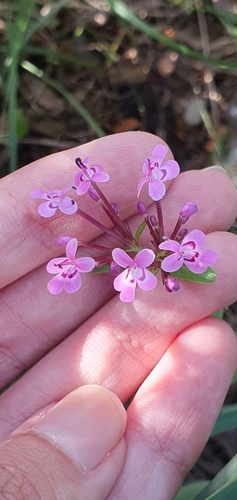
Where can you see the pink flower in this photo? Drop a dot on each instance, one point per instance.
(82, 180)
(157, 171)
(189, 252)
(68, 270)
(135, 273)
(56, 199)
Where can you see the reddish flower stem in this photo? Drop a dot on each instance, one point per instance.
(160, 221)
(103, 228)
(119, 224)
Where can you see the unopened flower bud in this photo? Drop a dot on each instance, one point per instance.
(114, 268)
(93, 194)
(63, 240)
(187, 210)
(141, 208)
(115, 208)
(171, 284)
(153, 221)
(182, 233)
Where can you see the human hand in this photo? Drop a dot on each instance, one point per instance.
(164, 346)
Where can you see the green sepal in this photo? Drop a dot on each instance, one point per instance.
(102, 269)
(185, 274)
(139, 231)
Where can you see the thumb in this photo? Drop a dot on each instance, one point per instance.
(75, 450)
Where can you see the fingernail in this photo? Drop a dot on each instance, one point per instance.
(87, 424)
(215, 167)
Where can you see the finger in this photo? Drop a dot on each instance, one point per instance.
(173, 413)
(75, 450)
(121, 343)
(29, 236)
(63, 314)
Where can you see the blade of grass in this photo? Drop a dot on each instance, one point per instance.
(124, 13)
(81, 110)
(224, 484)
(12, 107)
(15, 31)
(189, 491)
(227, 419)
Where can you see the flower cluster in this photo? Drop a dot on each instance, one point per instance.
(180, 256)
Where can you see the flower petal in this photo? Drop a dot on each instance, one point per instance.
(196, 267)
(38, 193)
(52, 266)
(171, 245)
(83, 187)
(172, 263)
(207, 257)
(68, 206)
(171, 169)
(197, 236)
(84, 264)
(128, 293)
(96, 167)
(73, 284)
(141, 184)
(156, 189)
(149, 282)
(144, 258)
(71, 249)
(55, 285)
(45, 210)
(159, 153)
(120, 281)
(100, 177)
(126, 287)
(122, 258)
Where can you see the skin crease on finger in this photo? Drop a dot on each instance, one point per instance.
(64, 314)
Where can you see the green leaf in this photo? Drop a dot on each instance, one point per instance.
(139, 231)
(224, 484)
(189, 491)
(227, 419)
(184, 274)
(102, 269)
